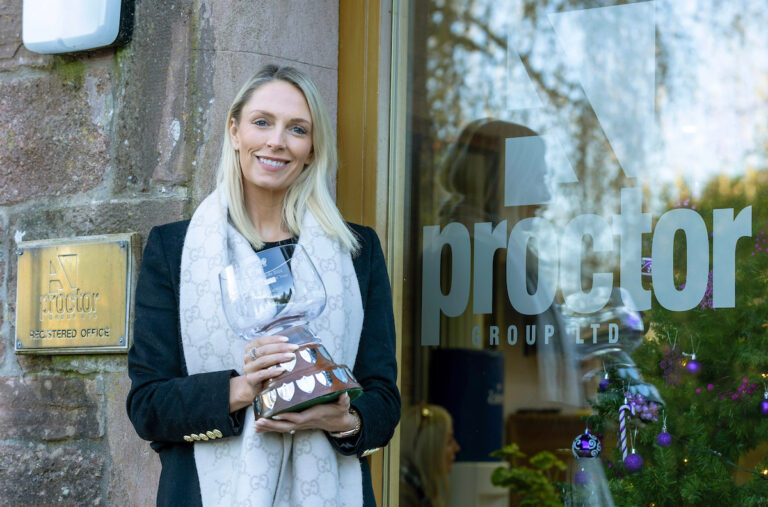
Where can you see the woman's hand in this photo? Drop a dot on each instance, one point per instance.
(330, 417)
(262, 356)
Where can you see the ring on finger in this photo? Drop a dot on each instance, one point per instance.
(252, 352)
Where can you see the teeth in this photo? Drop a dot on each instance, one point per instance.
(273, 163)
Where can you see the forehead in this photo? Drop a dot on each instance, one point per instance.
(280, 99)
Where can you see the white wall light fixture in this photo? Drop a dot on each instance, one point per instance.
(65, 26)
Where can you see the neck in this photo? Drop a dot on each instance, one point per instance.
(265, 209)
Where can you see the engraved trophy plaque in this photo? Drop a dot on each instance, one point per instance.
(278, 292)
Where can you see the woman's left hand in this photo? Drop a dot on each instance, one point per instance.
(330, 417)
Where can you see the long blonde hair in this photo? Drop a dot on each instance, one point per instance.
(425, 429)
(310, 190)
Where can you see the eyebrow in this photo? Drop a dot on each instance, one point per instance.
(292, 120)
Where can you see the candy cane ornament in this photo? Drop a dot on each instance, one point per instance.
(623, 420)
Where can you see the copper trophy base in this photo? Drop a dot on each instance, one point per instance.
(311, 378)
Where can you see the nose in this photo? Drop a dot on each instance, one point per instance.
(276, 139)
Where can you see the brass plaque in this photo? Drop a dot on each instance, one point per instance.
(75, 295)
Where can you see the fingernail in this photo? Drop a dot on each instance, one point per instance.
(293, 346)
(277, 418)
(289, 355)
(283, 338)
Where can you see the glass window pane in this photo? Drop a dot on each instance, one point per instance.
(586, 253)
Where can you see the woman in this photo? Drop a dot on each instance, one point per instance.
(428, 450)
(193, 383)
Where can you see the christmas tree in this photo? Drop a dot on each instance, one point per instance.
(704, 441)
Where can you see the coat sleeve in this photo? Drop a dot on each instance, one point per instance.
(164, 403)
(375, 366)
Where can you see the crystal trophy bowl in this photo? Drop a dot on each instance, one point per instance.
(277, 291)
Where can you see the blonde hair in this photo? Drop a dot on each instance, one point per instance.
(310, 189)
(425, 429)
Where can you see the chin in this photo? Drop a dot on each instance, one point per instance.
(268, 184)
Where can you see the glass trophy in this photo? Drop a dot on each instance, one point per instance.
(278, 292)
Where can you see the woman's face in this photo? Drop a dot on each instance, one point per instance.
(451, 448)
(273, 138)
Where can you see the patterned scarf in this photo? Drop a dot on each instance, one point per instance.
(266, 468)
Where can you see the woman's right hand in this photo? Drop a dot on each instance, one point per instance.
(261, 358)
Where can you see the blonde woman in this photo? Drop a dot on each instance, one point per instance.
(428, 451)
(193, 381)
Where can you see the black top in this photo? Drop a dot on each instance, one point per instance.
(165, 403)
(272, 244)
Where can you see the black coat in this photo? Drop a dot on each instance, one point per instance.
(166, 404)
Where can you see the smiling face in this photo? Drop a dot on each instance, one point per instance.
(273, 138)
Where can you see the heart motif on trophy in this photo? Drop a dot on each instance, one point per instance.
(278, 291)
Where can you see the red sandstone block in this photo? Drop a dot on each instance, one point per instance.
(50, 474)
(45, 408)
(52, 143)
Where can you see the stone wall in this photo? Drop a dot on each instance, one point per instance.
(112, 141)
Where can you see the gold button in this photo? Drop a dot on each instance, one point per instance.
(188, 438)
(203, 436)
(217, 433)
(195, 437)
(210, 435)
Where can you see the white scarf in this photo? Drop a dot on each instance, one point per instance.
(266, 468)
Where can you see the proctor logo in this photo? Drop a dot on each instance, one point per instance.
(475, 276)
(65, 300)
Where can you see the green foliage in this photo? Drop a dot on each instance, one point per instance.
(509, 452)
(534, 486)
(714, 417)
(545, 460)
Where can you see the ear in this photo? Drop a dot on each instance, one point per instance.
(233, 134)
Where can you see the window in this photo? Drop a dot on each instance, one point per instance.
(585, 185)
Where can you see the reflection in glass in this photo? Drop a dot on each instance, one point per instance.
(429, 449)
(528, 119)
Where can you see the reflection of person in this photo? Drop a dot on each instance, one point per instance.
(474, 174)
(428, 451)
(496, 173)
(193, 382)
(511, 160)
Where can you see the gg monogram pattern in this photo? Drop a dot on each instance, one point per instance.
(267, 468)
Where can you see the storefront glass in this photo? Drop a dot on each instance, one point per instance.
(585, 212)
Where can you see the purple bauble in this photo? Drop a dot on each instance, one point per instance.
(693, 367)
(764, 408)
(581, 478)
(586, 445)
(664, 439)
(633, 463)
(603, 386)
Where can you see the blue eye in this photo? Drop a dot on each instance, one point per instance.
(260, 123)
(299, 130)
